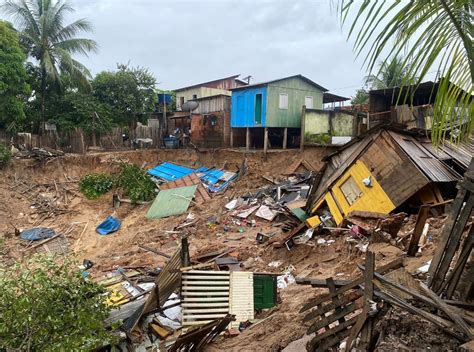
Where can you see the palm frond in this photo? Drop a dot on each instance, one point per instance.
(78, 45)
(428, 34)
(71, 30)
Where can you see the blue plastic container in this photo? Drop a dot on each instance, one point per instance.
(171, 142)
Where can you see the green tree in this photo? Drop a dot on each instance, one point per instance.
(390, 74)
(431, 35)
(129, 91)
(51, 43)
(48, 306)
(361, 97)
(13, 77)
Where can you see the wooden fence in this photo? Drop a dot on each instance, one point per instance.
(78, 142)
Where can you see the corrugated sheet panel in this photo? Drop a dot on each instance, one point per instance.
(173, 201)
(205, 296)
(431, 166)
(169, 171)
(462, 153)
(241, 296)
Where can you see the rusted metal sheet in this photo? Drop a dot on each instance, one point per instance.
(431, 166)
(201, 194)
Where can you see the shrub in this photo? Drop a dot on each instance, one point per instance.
(136, 183)
(95, 185)
(48, 306)
(5, 156)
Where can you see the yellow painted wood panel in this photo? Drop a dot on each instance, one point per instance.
(372, 199)
(334, 209)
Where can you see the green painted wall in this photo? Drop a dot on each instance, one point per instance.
(343, 124)
(297, 89)
(317, 122)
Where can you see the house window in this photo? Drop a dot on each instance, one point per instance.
(181, 101)
(195, 96)
(308, 102)
(283, 101)
(350, 190)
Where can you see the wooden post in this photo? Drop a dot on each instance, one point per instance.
(265, 141)
(420, 223)
(367, 330)
(247, 139)
(231, 137)
(285, 137)
(303, 119)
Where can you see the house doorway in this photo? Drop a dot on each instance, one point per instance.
(258, 109)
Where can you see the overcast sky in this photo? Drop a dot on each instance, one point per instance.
(187, 42)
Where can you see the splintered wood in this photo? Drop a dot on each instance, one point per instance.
(47, 199)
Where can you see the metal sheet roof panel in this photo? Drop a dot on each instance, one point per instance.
(428, 163)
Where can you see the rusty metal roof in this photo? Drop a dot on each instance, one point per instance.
(427, 162)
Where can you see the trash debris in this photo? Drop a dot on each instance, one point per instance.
(111, 224)
(37, 234)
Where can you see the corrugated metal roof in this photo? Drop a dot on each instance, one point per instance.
(462, 153)
(169, 202)
(306, 79)
(170, 172)
(428, 163)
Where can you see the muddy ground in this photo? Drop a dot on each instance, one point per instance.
(80, 217)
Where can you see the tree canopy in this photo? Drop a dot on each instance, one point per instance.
(13, 78)
(129, 91)
(390, 74)
(51, 43)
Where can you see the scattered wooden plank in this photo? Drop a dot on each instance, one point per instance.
(348, 298)
(314, 341)
(353, 284)
(332, 318)
(448, 310)
(154, 251)
(438, 321)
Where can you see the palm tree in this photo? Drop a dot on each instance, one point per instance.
(432, 35)
(51, 43)
(390, 74)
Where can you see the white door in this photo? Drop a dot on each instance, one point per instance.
(308, 102)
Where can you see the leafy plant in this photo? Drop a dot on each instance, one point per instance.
(95, 185)
(318, 138)
(48, 306)
(5, 156)
(136, 183)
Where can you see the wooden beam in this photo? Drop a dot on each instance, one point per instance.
(438, 321)
(355, 283)
(247, 139)
(154, 251)
(454, 276)
(265, 140)
(448, 310)
(454, 242)
(285, 138)
(423, 214)
(302, 128)
(312, 345)
(367, 324)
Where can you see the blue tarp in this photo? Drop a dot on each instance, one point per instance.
(110, 225)
(170, 172)
(211, 178)
(37, 233)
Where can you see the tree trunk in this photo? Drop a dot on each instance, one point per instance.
(43, 101)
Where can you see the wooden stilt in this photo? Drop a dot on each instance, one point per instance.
(265, 141)
(247, 139)
(285, 137)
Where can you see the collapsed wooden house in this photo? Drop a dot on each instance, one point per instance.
(384, 170)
